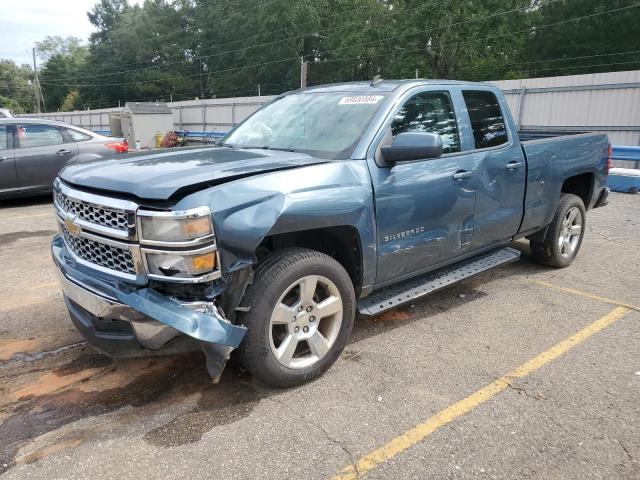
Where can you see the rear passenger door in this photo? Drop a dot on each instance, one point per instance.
(500, 168)
(8, 175)
(41, 153)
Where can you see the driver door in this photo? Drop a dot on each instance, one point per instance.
(424, 208)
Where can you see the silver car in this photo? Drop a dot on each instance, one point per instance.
(33, 151)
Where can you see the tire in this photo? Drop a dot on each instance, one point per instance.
(564, 235)
(281, 316)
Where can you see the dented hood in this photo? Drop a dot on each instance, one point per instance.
(162, 174)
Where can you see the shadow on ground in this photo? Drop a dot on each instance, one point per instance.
(25, 201)
(47, 398)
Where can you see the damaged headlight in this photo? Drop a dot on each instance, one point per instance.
(178, 265)
(179, 246)
(175, 227)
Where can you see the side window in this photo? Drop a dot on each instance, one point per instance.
(486, 117)
(429, 112)
(34, 135)
(3, 137)
(76, 135)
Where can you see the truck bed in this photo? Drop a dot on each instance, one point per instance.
(552, 157)
(528, 135)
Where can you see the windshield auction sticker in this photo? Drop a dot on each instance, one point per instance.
(361, 99)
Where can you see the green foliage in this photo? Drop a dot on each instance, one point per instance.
(183, 49)
(71, 101)
(588, 44)
(56, 45)
(16, 89)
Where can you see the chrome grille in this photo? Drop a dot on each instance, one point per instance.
(101, 254)
(95, 214)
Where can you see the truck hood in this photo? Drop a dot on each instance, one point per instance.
(161, 175)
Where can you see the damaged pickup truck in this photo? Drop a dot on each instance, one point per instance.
(328, 201)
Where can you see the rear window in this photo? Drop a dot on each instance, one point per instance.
(77, 136)
(486, 118)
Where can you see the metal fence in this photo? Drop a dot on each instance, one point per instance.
(211, 115)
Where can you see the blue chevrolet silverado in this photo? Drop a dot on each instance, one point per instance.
(328, 201)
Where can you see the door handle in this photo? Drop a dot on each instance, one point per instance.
(64, 151)
(513, 165)
(461, 175)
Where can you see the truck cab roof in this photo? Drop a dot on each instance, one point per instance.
(383, 85)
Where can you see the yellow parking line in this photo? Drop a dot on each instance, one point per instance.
(421, 431)
(585, 294)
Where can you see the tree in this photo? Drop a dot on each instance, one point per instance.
(71, 101)
(65, 60)
(593, 44)
(56, 45)
(16, 87)
(183, 49)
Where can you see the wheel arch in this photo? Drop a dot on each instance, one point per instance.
(581, 185)
(341, 242)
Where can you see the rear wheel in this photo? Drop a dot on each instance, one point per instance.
(565, 234)
(302, 307)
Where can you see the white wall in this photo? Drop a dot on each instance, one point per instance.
(607, 102)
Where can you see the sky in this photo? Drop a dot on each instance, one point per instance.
(24, 22)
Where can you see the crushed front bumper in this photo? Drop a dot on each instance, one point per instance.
(122, 320)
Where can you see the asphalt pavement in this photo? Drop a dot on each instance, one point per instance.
(522, 372)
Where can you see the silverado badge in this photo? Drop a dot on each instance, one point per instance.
(406, 233)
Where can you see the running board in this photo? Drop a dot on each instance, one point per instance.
(414, 288)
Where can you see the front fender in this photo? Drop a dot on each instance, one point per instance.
(319, 196)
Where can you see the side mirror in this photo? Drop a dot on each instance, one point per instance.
(412, 146)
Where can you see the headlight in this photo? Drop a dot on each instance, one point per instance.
(176, 226)
(176, 265)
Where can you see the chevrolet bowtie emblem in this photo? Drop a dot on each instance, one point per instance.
(71, 226)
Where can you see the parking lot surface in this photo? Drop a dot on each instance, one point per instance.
(523, 372)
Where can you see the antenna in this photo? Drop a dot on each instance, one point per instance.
(377, 80)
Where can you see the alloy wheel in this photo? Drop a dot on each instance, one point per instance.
(305, 322)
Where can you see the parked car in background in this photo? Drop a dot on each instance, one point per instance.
(6, 113)
(32, 152)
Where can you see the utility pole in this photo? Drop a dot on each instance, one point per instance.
(36, 85)
(304, 66)
(258, 90)
(417, 74)
(201, 82)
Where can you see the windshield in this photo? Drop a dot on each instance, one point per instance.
(326, 125)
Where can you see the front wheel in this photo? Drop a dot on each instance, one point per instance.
(301, 311)
(565, 234)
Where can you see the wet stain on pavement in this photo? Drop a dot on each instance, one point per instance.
(32, 357)
(396, 315)
(91, 385)
(83, 362)
(9, 238)
(218, 405)
(10, 348)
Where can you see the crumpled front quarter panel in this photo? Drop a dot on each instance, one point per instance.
(331, 194)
